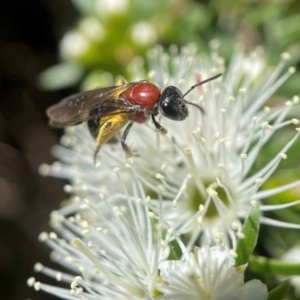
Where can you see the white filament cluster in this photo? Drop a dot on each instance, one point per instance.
(196, 182)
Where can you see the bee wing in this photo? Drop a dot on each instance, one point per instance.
(76, 108)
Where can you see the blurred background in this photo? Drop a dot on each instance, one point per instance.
(52, 48)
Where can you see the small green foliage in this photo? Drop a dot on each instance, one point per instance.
(175, 252)
(279, 291)
(269, 266)
(250, 230)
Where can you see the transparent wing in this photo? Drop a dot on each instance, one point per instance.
(76, 108)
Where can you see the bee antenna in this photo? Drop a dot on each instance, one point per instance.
(196, 105)
(200, 83)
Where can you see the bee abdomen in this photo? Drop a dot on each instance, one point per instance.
(94, 123)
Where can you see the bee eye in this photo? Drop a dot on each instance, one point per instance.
(171, 104)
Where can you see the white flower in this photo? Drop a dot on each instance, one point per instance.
(114, 252)
(208, 274)
(201, 168)
(211, 190)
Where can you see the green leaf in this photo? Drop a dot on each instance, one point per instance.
(246, 245)
(278, 292)
(272, 266)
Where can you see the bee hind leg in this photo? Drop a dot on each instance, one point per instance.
(127, 150)
(96, 153)
(108, 126)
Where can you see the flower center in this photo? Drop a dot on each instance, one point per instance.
(197, 199)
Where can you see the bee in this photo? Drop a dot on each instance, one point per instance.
(107, 110)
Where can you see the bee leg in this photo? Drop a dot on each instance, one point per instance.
(123, 139)
(96, 153)
(161, 129)
(108, 126)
